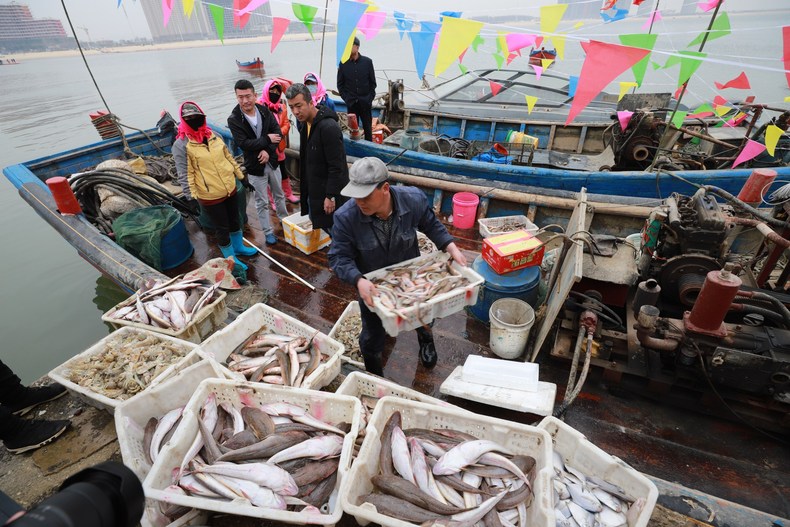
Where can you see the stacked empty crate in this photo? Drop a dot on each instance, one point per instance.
(298, 231)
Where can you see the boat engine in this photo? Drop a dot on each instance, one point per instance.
(635, 146)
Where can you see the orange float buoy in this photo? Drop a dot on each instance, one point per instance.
(64, 197)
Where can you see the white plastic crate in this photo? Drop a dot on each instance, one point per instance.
(61, 373)
(438, 307)
(521, 439)
(131, 417)
(204, 323)
(581, 454)
(351, 309)
(306, 240)
(224, 341)
(486, 224)
(328, 407)
(358, 383)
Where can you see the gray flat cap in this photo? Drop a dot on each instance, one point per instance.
(364, 175)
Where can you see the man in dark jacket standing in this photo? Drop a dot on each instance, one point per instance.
(322, 158)
(356, 82)
(257, 132)
(379, 228)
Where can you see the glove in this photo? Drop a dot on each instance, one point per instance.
(193, 205)
(246, 184)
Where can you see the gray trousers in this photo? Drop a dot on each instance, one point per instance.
(274, 180)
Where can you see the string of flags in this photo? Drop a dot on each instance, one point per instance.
(453, 36)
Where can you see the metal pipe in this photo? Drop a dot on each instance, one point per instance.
(278, 264)
(764, 229)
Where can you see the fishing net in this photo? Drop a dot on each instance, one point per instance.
(141, 231)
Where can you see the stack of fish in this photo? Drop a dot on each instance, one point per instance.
(169, 305)
(126, 365)
(582, 500)
(450, 478)
(417, 282)
(507, 226)
(275, 455)
(276, 359)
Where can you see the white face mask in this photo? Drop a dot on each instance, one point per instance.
(313, 88)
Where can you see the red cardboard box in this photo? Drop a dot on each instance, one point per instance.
(512, 251)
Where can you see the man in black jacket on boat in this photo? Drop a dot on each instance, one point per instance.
(21, 435)
(356, 82)
(322, 157)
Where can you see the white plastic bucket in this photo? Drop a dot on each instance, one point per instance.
(511, 320)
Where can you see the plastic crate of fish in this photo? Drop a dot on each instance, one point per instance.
(132, 416)
(518, 438)
(299, 232)
(329, 407)
(210, 318)
(577, 452)
(440, 306)
(501, 225)
(63, 373)
(351, 309)
(223, 342)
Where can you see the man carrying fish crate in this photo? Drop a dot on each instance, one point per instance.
(379, 228)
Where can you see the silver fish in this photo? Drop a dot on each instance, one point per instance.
(314, 448)
(264, 474)
(401, 458)
(164, 426)
(464, 454)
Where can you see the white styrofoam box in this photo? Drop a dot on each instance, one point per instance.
(61, 373)
(351, 309)
(485, 225)
(328, 407)
(223, 342)
(205, 322)
(584, 456)
(501, 373)
(540, 402)
(306, 240)
(519, 438)
(437, 307)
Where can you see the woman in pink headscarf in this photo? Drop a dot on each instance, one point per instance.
(316, 87)
(272, 99)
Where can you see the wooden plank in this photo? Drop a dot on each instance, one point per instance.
(582, 138)
(553, 131)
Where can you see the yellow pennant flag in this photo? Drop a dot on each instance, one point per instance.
(455, 36)
(550, 16)
(787, 99)
(545, 63)
(501, 42)
(531, 100)
(721, 110)
(772, 135)
(559, 45)
(624, 87)
(189, 5)
(577, 25)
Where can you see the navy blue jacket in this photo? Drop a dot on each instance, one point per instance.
(356, 250)
(356, 81)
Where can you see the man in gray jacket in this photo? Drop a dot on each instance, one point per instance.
(379, 228)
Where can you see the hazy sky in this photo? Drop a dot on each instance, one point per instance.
(105, 21)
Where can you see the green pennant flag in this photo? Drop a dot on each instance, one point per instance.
(656, 65)
(306, 14)
(642, 41)
(500, 60)
(218, 14)
(477, 42)
(678, 118)
(672, 60)
(689, 64)
(464, 69)
(720, 28)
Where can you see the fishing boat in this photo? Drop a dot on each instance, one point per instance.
(704, 462)
(9, 62)
(253, 65)
(454, 126)
(537, 56)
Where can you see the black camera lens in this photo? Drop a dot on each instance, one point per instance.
(107, 495)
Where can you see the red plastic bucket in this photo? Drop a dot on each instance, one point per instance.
(465, 209)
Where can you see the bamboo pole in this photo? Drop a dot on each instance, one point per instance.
(278, 264)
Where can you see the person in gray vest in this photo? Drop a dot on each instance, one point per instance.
(257, 132)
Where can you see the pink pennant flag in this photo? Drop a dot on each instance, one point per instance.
(252, 6)
(538, 71)
(710, 4)
(461, 56)
(167, 8)
(278, 30)
(735, 121)
(603, 63)
(749, 152)
(624, 116)
(371, 22)
(517, 41)
(654, 17)
(740, 82)
(511, 57)
(239, 19)
(720, 101)
(495, 87)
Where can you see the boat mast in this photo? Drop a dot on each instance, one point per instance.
(323, 39)
(685, 84)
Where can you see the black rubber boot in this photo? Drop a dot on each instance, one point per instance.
(428, 354)
(373, 364)
(24, 435)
